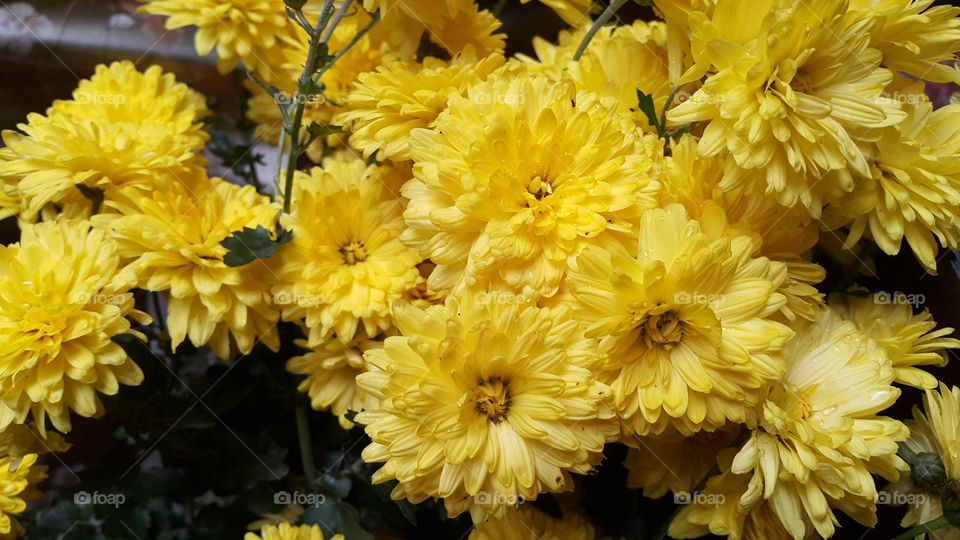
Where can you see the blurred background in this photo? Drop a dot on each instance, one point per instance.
(46, 46)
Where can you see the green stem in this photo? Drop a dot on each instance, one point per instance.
(597, 25)
(924, 528)
(356, 39)
(336, 20)
(306, 447)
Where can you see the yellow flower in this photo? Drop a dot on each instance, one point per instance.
(672, 462)
(573, 12)
(912, 187)
(174, 236)
(345, 265)
(789, 86)
(338, 81)
(452, 24)
(19, 477)
(401, 96)
(619, 61)
(482, 404)
(686, 327)
(240, 30)
(935, 431)
(514, 179)
(285, 531)
(64, 298)
(18, 440)
(907, 339)
(527, 522)
(914, 37)
(121, 128)
(818, 444)
(779, 234)
(331, 371)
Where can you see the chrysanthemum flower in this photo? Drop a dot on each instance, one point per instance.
(454, 25)
(174, 236)
(515, 178)
(528, 522)
(331, 371)
(338, 81)
(482, 404)
(65, 296)
(285, 531)
(686, 328)
(672, 462)
(345, 264)
(239, 30)
(619, 61)
(18, 440)
(908, 340)
(779, 234)
(121, 128)
(789, 86)
(914, 36)
(935, 431)
(19, 477)
(401, 96)
(817, 446)
(912, 187)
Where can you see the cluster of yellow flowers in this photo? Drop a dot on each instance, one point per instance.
(503, 264)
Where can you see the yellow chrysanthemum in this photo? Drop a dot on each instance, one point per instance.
(817, 446)
(912, 187)
(908, 340)
(619, 61)
(514, 179)
(338, 81)
(781, 235)
(285, 531)
(527, 522)
(789, 86)
(345, 264)
(65, 296)
(19, 477)
(454, 25)
(935, 431)
(18, 440)
(331, 371)
(914, 36)
(674, 463)
(174, 236)
(401, 96)
(121, 128)
(483, 404)
(686, 328)
(239, 30)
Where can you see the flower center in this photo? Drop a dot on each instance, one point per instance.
(353, 252)
(492, 398)
(662, 329)
(540, 187)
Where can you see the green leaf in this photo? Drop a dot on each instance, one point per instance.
(245, 246)
(649, 110)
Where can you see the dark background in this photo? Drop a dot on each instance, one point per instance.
(45, 50)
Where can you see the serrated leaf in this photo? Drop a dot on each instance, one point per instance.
(248, 245)
(645, 101)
